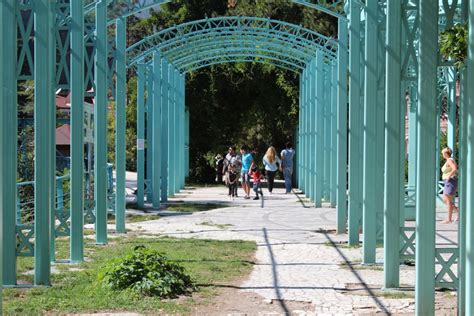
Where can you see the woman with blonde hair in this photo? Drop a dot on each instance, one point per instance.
(272, 163)
(450, 179)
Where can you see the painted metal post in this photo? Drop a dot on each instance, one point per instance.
(462, 192)
(77, 132)
(369, 210)
(156, 130)
(100, 123)
(426, 164)
(165, 102)
(355, 132)
(327, 131)
(469, 170)
(392, 186)
(299, 147)
(186, 122)
(172, 132)
(318, 193)
(412, 131)
(333, 177)
(451, 135)
(149, 134)
(52, 131)
(304, 88)
(182, 120)
(310, 100)
(43, 173)
(8, 143)
(141, 135)
(120, 122)
(342, 58)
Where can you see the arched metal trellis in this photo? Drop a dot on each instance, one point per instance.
(397, 40)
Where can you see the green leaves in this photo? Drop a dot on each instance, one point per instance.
(453, 44)
(147, 272)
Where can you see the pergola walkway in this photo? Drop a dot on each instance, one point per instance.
(299, 256)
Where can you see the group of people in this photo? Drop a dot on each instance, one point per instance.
(234, 168)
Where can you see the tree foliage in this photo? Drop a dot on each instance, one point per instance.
(453, 44)
(231, 104)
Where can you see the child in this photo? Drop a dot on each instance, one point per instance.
(232, 178)
(257, 186)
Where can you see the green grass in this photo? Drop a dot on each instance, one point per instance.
(135, 218)
(194, 207)
(221, 226)
(210, 264)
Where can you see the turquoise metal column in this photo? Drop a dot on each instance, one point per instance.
(52, 131)
(165, 102)
(178, 165)
(369, 210)
(318, 193)
(333, 177)
(355, 123)
(186, 122)
(182, 146)
(451, 135)
(149, 134)
(299, 148)
(392, 186)
(100, 123)
(171, 157)
(120, 122)
(305, 133)
(310, 100)
(156, 130)
(77, 132)
(327, 131)
(426, 164)
(469, 170)
(141, 135)
(412, 131)
(462, 191)
(8, 143)
(342, 58)
(43, 108)
(176, 170)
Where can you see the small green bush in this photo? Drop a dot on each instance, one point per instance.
(147, 272)
(453, 44)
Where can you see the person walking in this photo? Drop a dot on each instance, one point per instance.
(272, 163)
(219, 168)
(450, 178)
(287, 155)
(232, 159)
(247, 165)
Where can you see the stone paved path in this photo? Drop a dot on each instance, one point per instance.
(299, 256)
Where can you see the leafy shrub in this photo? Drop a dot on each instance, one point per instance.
(147, 272)
(453, 44)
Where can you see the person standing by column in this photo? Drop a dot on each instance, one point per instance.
(247, 165)
(450, 179)
(287, 155)
(272, 163)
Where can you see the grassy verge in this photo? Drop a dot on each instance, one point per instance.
(194, 207)
(210, 264)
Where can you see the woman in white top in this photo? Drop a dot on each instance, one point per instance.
(272, 164)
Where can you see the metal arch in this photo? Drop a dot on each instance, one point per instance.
(233, 27)
(131, 7)
(239, 58)
(179, 52)
(229, 40)
(239, 51)
(225, 45)
(292, 31)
